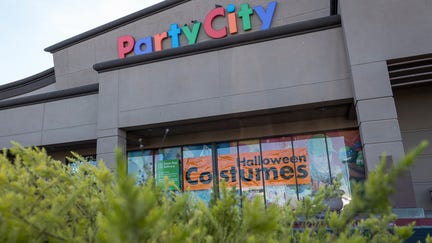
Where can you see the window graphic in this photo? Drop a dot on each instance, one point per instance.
(279, 169)
(167, 164)
(140, 164)
(198, 170)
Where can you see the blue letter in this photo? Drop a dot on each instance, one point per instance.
(148, 42)
(266, 16)
(174, 33)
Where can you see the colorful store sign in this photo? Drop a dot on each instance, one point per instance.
(127, 44)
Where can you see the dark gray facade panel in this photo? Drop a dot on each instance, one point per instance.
(388, 29)
(25, 139)
(28, 84)
(413, 107)
(54, 122)
(51, 96)
(253, 77)
(26, 119)
(69, 134)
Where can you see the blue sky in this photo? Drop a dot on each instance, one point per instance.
(27, 27)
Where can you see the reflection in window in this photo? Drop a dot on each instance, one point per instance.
(198, 170)
(88, 159)
(250, 169)
(346, 157)
(227, 164)
(140, 164)
(315, 147)
(279, 167)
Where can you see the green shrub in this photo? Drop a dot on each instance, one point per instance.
(43, 200)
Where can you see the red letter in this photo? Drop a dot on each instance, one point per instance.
(216, 34)
(158, 38)
(125, 45)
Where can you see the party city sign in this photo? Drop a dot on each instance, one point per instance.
(127, 44)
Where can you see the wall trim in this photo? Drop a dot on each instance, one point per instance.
(28, 84)
(51, 96)
(288, 30)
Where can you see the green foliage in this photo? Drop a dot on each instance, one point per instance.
(42, 200)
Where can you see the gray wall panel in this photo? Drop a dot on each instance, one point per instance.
(380, 131)
(421, 169)
(76, 79)
(422, 195)
(386, 29)
(61, 60)
(46, 89)
(21, 120)
(414, 108)
(412, 139)
(25, 139)
(179, 111)
(170, 82)
(298, 60)
(69, 134)
(291, 96)
(108, 101)
(415, 117)
(371, 80)
(376, 109)
(61, 121)
(71, 112)
(291, 71)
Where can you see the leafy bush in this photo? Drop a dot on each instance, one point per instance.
(42, 200)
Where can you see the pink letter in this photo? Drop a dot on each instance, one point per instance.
(125, 45)
(216, 34)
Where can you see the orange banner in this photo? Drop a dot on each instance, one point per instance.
(227, 165)
(276, 167)
(279, 167)
(198, 173)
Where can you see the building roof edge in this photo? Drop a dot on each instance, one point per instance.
(159, 7)
(28, 84)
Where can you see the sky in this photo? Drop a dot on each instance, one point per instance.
(27, 27)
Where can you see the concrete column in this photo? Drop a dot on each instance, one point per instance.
(109, 136)
(373, 35)
(378, 123)
(108, 141)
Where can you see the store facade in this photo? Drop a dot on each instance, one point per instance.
(275, 97)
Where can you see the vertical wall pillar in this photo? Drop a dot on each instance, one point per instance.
(108, 141)
(379, 126)
(110, 137)
(370, 28)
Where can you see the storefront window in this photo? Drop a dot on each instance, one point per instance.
(140, 164)
(314, 145)
(346, 157)
(227, 164)
(250, 169)
(168, 164)
(280, 169)
(87, 159)
(198, 170)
